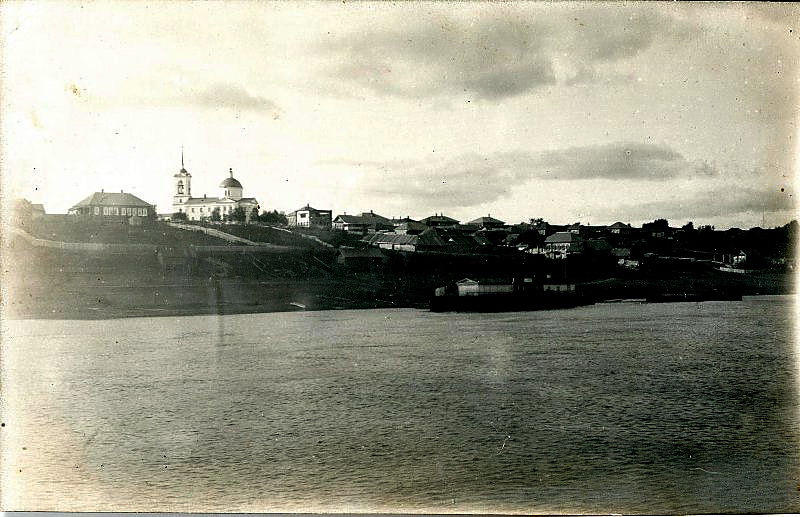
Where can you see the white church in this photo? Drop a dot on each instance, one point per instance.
(201, 208)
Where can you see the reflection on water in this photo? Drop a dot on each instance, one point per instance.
(657, 408)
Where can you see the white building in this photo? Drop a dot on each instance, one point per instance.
(202, 208)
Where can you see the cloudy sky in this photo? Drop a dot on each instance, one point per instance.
(567, 111)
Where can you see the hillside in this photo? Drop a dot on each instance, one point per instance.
(70, 229)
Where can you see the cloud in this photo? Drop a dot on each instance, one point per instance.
(619, 161)
(494, 57)
(168, 87)
(497, 58)
(227, 95)
(715, 201)
(472, 179)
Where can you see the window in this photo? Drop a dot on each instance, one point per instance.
(180, 187)
(201, 209)
(106, 210)
(97, 210)
(303, 215)
(192, 209)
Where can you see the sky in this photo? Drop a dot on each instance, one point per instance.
(573, 112)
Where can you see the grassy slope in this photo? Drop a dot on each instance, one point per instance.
(70, 230)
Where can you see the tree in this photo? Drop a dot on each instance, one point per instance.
(215, 215)
(659, 225)
(273, 217)
(179, 216)
(688, 226)
(238, 215)
(254, 215)
(536, 220)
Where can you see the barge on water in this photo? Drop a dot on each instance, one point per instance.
(504, 295)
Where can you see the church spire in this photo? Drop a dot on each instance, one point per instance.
(183, 167)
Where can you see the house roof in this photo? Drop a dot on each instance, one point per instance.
(218, 200)
(484, 281)
(309, 208)
(481, 221)
(561, 237)
(374, 216)
(391, 238)
(350, 219)
(619, 225)
(112, 199)
(411, 225)
(439, 219)
(482, 240)
(465, 228)
(430, 237)
(361, 253)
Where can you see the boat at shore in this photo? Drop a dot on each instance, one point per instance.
(501, 295)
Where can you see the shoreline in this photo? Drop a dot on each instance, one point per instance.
(98, 314)
(47, 284)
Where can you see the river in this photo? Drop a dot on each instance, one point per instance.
(611, 408)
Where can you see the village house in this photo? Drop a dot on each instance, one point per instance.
(364, 223)
(113, 206)
(309, 217)
(561, 244)
(410, 228)
(619, 228)
(560, 286)
(482, 287)
(487, 222)
(429, 240)
(360, 259)
(201, 208)
(350, 224)
(439, 221)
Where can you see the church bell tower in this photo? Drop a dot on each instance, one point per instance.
(183, 188)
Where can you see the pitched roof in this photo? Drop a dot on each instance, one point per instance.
(373, 215)
(439, 219)
(619, 225)
(350, 219)
(361, 253)
(484, 281)
(430, 237)
(412, 225)
(465, 228)
(391, 238)
(112, 199)
(309, 208)
(560, 237)
(206, 200)
(486, 220)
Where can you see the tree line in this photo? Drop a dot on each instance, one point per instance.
(239, 215)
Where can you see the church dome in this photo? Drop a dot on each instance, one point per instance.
(230, 182)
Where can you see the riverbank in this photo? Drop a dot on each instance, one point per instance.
(57, 284)
(77, 300)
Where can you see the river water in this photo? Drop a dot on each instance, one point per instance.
(612, 408)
